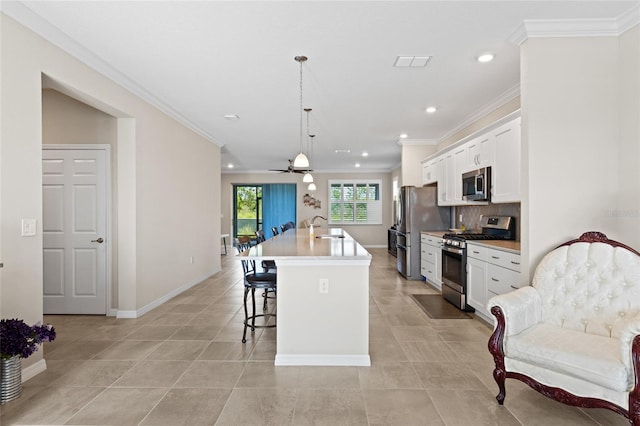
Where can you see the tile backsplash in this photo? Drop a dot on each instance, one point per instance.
(471, 214)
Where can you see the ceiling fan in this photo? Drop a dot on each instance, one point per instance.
(291, 169)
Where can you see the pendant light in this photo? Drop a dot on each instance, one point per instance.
(312, 187)
(308, 178)
(301, 160)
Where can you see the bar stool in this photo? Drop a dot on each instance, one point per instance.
(274, 229)
(253, 281)
(267, 265)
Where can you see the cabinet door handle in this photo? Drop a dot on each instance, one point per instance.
(476, 252)
(493, 279)
(514, 287)
(515, 263)
(495, 257)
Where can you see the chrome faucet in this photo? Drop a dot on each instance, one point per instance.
(317, 217)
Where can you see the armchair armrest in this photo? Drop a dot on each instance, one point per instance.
(627, 334)
(522, 309)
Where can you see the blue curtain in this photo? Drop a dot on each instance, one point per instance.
(278, 206)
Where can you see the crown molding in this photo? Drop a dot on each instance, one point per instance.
(22, 14)
(612, 27)
(507, 96)
(402, 142)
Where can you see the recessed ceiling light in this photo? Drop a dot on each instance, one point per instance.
(342, 151)
(486, 57)
(357, 164)
(231, 116)
(365, 154)
(230, 166)
(404, 136)
(431, 109)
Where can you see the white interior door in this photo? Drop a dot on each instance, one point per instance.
(74, 231)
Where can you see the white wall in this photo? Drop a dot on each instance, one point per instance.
(173, 181)
(571, 144)
(482, 122)
(627, 215)
(366, 235)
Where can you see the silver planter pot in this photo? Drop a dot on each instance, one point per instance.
(10, 379)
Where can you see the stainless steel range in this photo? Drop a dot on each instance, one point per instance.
(454, 256)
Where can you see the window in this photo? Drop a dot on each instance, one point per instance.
(355, 202)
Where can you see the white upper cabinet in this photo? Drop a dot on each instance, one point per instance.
(498, 148)
(505, 173)
(450, 178)
(480, 152)
(430, 171)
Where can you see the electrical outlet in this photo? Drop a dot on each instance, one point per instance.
(323, 287)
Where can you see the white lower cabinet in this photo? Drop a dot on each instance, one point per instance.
(477, 284)
(431, 259)
(490, 272)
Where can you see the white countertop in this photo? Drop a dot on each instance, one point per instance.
(295, 244)
(504, 245)
(438, 234)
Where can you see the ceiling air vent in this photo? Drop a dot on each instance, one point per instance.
(411, 61)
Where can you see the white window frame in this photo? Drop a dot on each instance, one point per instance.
(373, 206)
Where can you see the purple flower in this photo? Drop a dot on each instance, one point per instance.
(18, 338)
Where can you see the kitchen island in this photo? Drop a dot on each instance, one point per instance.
(322, 298)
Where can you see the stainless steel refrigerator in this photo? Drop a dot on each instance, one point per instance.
(417, 211)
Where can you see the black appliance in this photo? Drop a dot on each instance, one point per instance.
(417, 211)
(392, 241)
(454, 256)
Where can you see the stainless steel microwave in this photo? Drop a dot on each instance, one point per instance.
(476, 185)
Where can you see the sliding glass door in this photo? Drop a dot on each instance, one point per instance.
(261, 207)
(247, 210)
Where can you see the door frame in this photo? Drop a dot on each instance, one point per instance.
(109, 249)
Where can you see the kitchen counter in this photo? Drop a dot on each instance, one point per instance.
(322, 298)
(438, 234)
(295, 244)
(506, 245)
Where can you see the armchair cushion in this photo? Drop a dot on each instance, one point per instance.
(586, 356)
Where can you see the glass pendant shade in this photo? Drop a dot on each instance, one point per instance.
(312, 187)
(307, 178)
(301, 161)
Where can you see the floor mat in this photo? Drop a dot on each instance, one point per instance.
(436, 307)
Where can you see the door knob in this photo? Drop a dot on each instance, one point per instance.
(99, 240)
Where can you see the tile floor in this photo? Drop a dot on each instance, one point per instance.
(183, 364)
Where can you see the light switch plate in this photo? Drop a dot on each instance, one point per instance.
(28, 227)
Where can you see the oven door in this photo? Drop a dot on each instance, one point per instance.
(452, 268)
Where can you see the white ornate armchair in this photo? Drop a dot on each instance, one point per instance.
(574, 334)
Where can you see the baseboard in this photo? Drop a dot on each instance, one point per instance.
(384, 246)
(33, 370)
(138, 313)
(330, 360)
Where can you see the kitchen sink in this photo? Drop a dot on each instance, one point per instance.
(329, 236)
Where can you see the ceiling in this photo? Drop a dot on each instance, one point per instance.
(202, 60)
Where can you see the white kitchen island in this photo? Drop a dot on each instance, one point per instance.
(322, 298)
